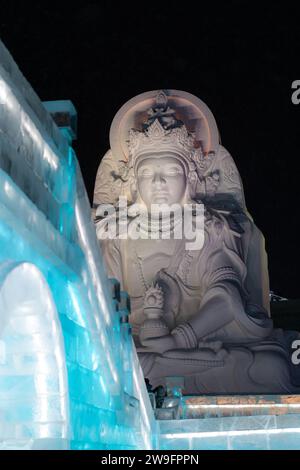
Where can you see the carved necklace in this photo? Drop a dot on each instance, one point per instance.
(141, 272)
(153, 223)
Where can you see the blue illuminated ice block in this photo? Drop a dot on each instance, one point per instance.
(69, 374)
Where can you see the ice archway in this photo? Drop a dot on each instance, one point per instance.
(33, 377)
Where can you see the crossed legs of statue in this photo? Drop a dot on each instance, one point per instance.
(239, 356)
(230, 370)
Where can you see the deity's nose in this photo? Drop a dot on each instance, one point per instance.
(158, 179)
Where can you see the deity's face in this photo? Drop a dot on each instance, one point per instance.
(161, 179)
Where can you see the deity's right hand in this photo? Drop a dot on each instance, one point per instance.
(157, 345)
(172, 296)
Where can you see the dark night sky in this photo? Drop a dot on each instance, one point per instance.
(239, 60)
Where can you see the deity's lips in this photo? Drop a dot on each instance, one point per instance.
(159, 195)
(160, 199)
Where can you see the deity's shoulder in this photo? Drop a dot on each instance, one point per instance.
(222, 252)
(222, 219)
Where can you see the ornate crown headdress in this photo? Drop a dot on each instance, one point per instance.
(163, 133)
(190, 133)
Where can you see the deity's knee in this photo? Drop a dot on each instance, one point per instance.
(270, 369)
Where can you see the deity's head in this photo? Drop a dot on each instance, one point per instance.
(163, 157)
(164, 145)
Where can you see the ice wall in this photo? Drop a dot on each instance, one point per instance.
(69, 374)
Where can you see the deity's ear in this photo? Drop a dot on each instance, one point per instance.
(192, 184)
(133, 191)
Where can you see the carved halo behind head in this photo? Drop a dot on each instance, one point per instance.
(170, 108)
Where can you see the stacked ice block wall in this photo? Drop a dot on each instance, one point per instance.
(69, 375)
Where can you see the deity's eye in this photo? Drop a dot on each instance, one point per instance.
(174, 170)
(146, 172)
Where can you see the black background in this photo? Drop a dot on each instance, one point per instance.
(238, 57)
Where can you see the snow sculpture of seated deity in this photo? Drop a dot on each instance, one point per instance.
(199, 296)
